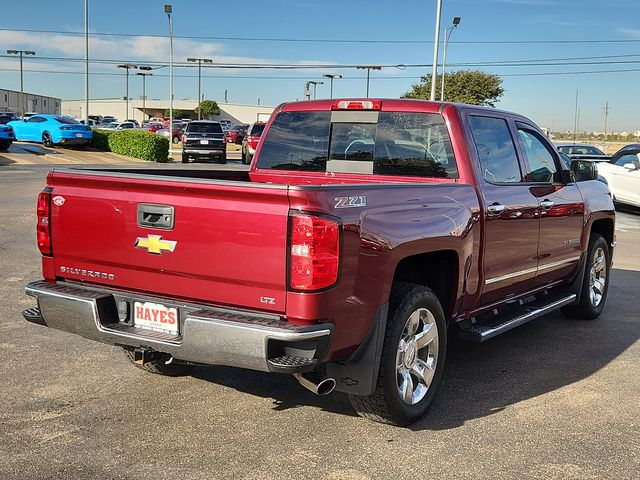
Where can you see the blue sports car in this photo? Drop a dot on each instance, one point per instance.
(6, 133)
(51, 130)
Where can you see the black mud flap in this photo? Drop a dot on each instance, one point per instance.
(358, 374)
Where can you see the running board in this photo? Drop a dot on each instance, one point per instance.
(478, 332)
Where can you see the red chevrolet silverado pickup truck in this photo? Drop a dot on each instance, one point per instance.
(365, 233)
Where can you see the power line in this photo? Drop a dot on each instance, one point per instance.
(323, 40)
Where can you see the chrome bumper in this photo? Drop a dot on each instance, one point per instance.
(208, 335)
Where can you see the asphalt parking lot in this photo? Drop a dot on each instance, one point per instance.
(554, 399)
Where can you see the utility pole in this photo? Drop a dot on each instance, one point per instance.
(21, 52)
(447, 34)
(226, 96)
(606, 118)
(200, 61)
(168, 9)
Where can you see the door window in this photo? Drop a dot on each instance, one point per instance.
(36, 120)
(496, 150)
(541, 161)
(628, 158)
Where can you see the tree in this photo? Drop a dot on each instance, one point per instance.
(463, 86)
(176, 113)
(208, 108)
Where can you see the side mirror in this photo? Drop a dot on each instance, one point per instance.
(630, 166)
(584, 170)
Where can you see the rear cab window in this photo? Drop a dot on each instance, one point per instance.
(403, 144)
(201, 127)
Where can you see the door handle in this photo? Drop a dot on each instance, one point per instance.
(495, 209)
(547, 204)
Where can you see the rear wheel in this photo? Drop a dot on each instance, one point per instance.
(5, 144)
(412, 360)
(160, 366)
(176, 140)
(185, 158)
(223, 159)
(46, 139)
(595, 283)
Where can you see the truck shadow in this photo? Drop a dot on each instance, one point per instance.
(484, 379)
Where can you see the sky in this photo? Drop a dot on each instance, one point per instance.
(542, 35)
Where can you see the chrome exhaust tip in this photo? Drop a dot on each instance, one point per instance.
(315, 383)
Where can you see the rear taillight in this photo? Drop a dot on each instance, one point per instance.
(356, 105)
(314, 252)
(43, 229)
(184, 139)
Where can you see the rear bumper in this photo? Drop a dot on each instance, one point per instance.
(74, 140)
(210, 336)
(202, 152)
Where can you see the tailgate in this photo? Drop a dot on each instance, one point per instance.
(227, 244)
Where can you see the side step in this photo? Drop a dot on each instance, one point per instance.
(479, 332)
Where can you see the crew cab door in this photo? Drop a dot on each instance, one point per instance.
(561, 207)
(510, 217)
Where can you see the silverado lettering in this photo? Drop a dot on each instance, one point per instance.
(468, 223)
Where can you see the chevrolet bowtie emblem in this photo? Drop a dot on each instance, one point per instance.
(155, 244)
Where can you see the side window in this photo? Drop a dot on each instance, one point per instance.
(35, 120)
(541, 161)
(496, 150)
(629, 158)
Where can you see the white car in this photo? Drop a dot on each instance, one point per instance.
(623, 175)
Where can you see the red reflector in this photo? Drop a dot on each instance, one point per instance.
(43, 229)
(315, 252)
(357, 105)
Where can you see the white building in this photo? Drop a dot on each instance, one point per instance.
(141, 110)
(10, 102)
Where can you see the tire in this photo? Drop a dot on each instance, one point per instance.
(223, 160)
(5, 144)
(176, 140)
(595, 284)
(399, 368)
(185, 158)
(46, 139)
(159, 365)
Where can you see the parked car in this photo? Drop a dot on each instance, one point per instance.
(135, 122)
(96, 118)
(51, 130)
(108, 119)
(365, 234)
(226, 124)
(578, 151)
(6, 132)
(235, 133)
(154, 127)
(204, 139)
(622, 173)
(250, 141)
(118, 126)
(176, 133)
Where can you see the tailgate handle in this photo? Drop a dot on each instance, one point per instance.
(155, 216)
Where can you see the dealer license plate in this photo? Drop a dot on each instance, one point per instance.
(155, 316)
(79, 135)
(204, 142)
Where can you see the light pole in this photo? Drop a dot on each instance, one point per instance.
(21, 53)
(436, 45)
(168, 9)
(368, 68)
(447, 34)
(200, 61)
(127, 67)
(314, 83)
(144, 76)
(331, 79)
(86, 62)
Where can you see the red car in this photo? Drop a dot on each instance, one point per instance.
(235, 133)
(250, 141)
(154, 127)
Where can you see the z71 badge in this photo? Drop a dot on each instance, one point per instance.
(351, 202)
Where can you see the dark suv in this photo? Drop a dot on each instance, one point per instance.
(203, 138)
